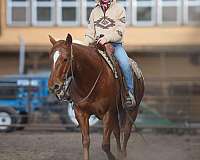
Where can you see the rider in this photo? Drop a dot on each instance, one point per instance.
(108, 19)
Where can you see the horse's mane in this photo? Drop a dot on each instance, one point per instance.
(91, 50)
(78, 42)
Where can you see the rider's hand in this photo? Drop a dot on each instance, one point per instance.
(101, 41)
(109, 48)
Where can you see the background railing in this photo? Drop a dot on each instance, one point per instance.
(168, 103)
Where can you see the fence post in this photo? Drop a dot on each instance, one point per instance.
(21, 55)
(163, 81)
(29, 102)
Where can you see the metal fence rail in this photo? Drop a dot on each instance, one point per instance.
(168, 103)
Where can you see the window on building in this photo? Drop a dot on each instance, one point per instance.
(143, 12)
(87, 6)
(68, 12)
(18, 12)
(43, 12)
(169, 11)
(191, 11)
(127, 6)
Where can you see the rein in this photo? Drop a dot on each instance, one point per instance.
(70, 79)
(70, 66)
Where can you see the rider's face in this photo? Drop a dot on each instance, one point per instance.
(105, 1)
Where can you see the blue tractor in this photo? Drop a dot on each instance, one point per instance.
(20, 95)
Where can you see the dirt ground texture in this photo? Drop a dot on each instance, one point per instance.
(67, 146)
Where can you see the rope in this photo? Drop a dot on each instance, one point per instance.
(95, 83)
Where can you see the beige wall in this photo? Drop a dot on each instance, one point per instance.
(134, 36)
(9, 65)
(181, 66)
(176, 66)
(173, 66)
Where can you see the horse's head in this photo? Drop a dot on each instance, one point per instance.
(60, 57)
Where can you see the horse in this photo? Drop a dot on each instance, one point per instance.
(94, 91)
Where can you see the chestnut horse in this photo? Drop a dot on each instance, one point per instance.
(94, 91)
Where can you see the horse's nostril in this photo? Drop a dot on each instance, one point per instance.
(56, 87)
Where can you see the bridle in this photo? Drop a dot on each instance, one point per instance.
(67, 79)
(64, 91)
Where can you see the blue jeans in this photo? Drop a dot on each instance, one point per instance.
(123, 60)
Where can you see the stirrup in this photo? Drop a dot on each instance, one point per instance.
(130, 100)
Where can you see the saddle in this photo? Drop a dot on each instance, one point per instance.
(107, 53)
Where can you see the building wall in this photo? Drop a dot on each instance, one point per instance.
(145, 41)
(8, 64)
(145, 36)
(169, 66)
(134, 37)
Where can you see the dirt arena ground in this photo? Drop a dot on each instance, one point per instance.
(67, 146)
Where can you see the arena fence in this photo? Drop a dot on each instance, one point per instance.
(170, 103)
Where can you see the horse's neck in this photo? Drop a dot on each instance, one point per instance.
(85, 59)
(87, 66)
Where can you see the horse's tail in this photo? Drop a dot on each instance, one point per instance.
(128, 117)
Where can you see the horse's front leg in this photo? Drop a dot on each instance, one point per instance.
(108, 125)
(83, 119)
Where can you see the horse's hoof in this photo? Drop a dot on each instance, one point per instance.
(120, 156)
(112, 157)
(124, 155)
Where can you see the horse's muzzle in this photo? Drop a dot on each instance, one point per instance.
(61, 90)
(55, 88)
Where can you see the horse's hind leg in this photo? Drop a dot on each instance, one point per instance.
(107, 130)
(116, 131)
(127, 130)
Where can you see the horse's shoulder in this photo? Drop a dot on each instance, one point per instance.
(91, 49)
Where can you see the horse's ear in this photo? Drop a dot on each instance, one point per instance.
(69, 40)
(52, 40)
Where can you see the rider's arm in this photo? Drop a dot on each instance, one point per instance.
(120, 24)
(90, 33)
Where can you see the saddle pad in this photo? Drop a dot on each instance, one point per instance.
(108, 61)
(136, 69)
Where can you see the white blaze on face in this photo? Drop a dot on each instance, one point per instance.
(55, 57)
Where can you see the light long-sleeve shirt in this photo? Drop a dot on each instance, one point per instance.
(111, 24)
